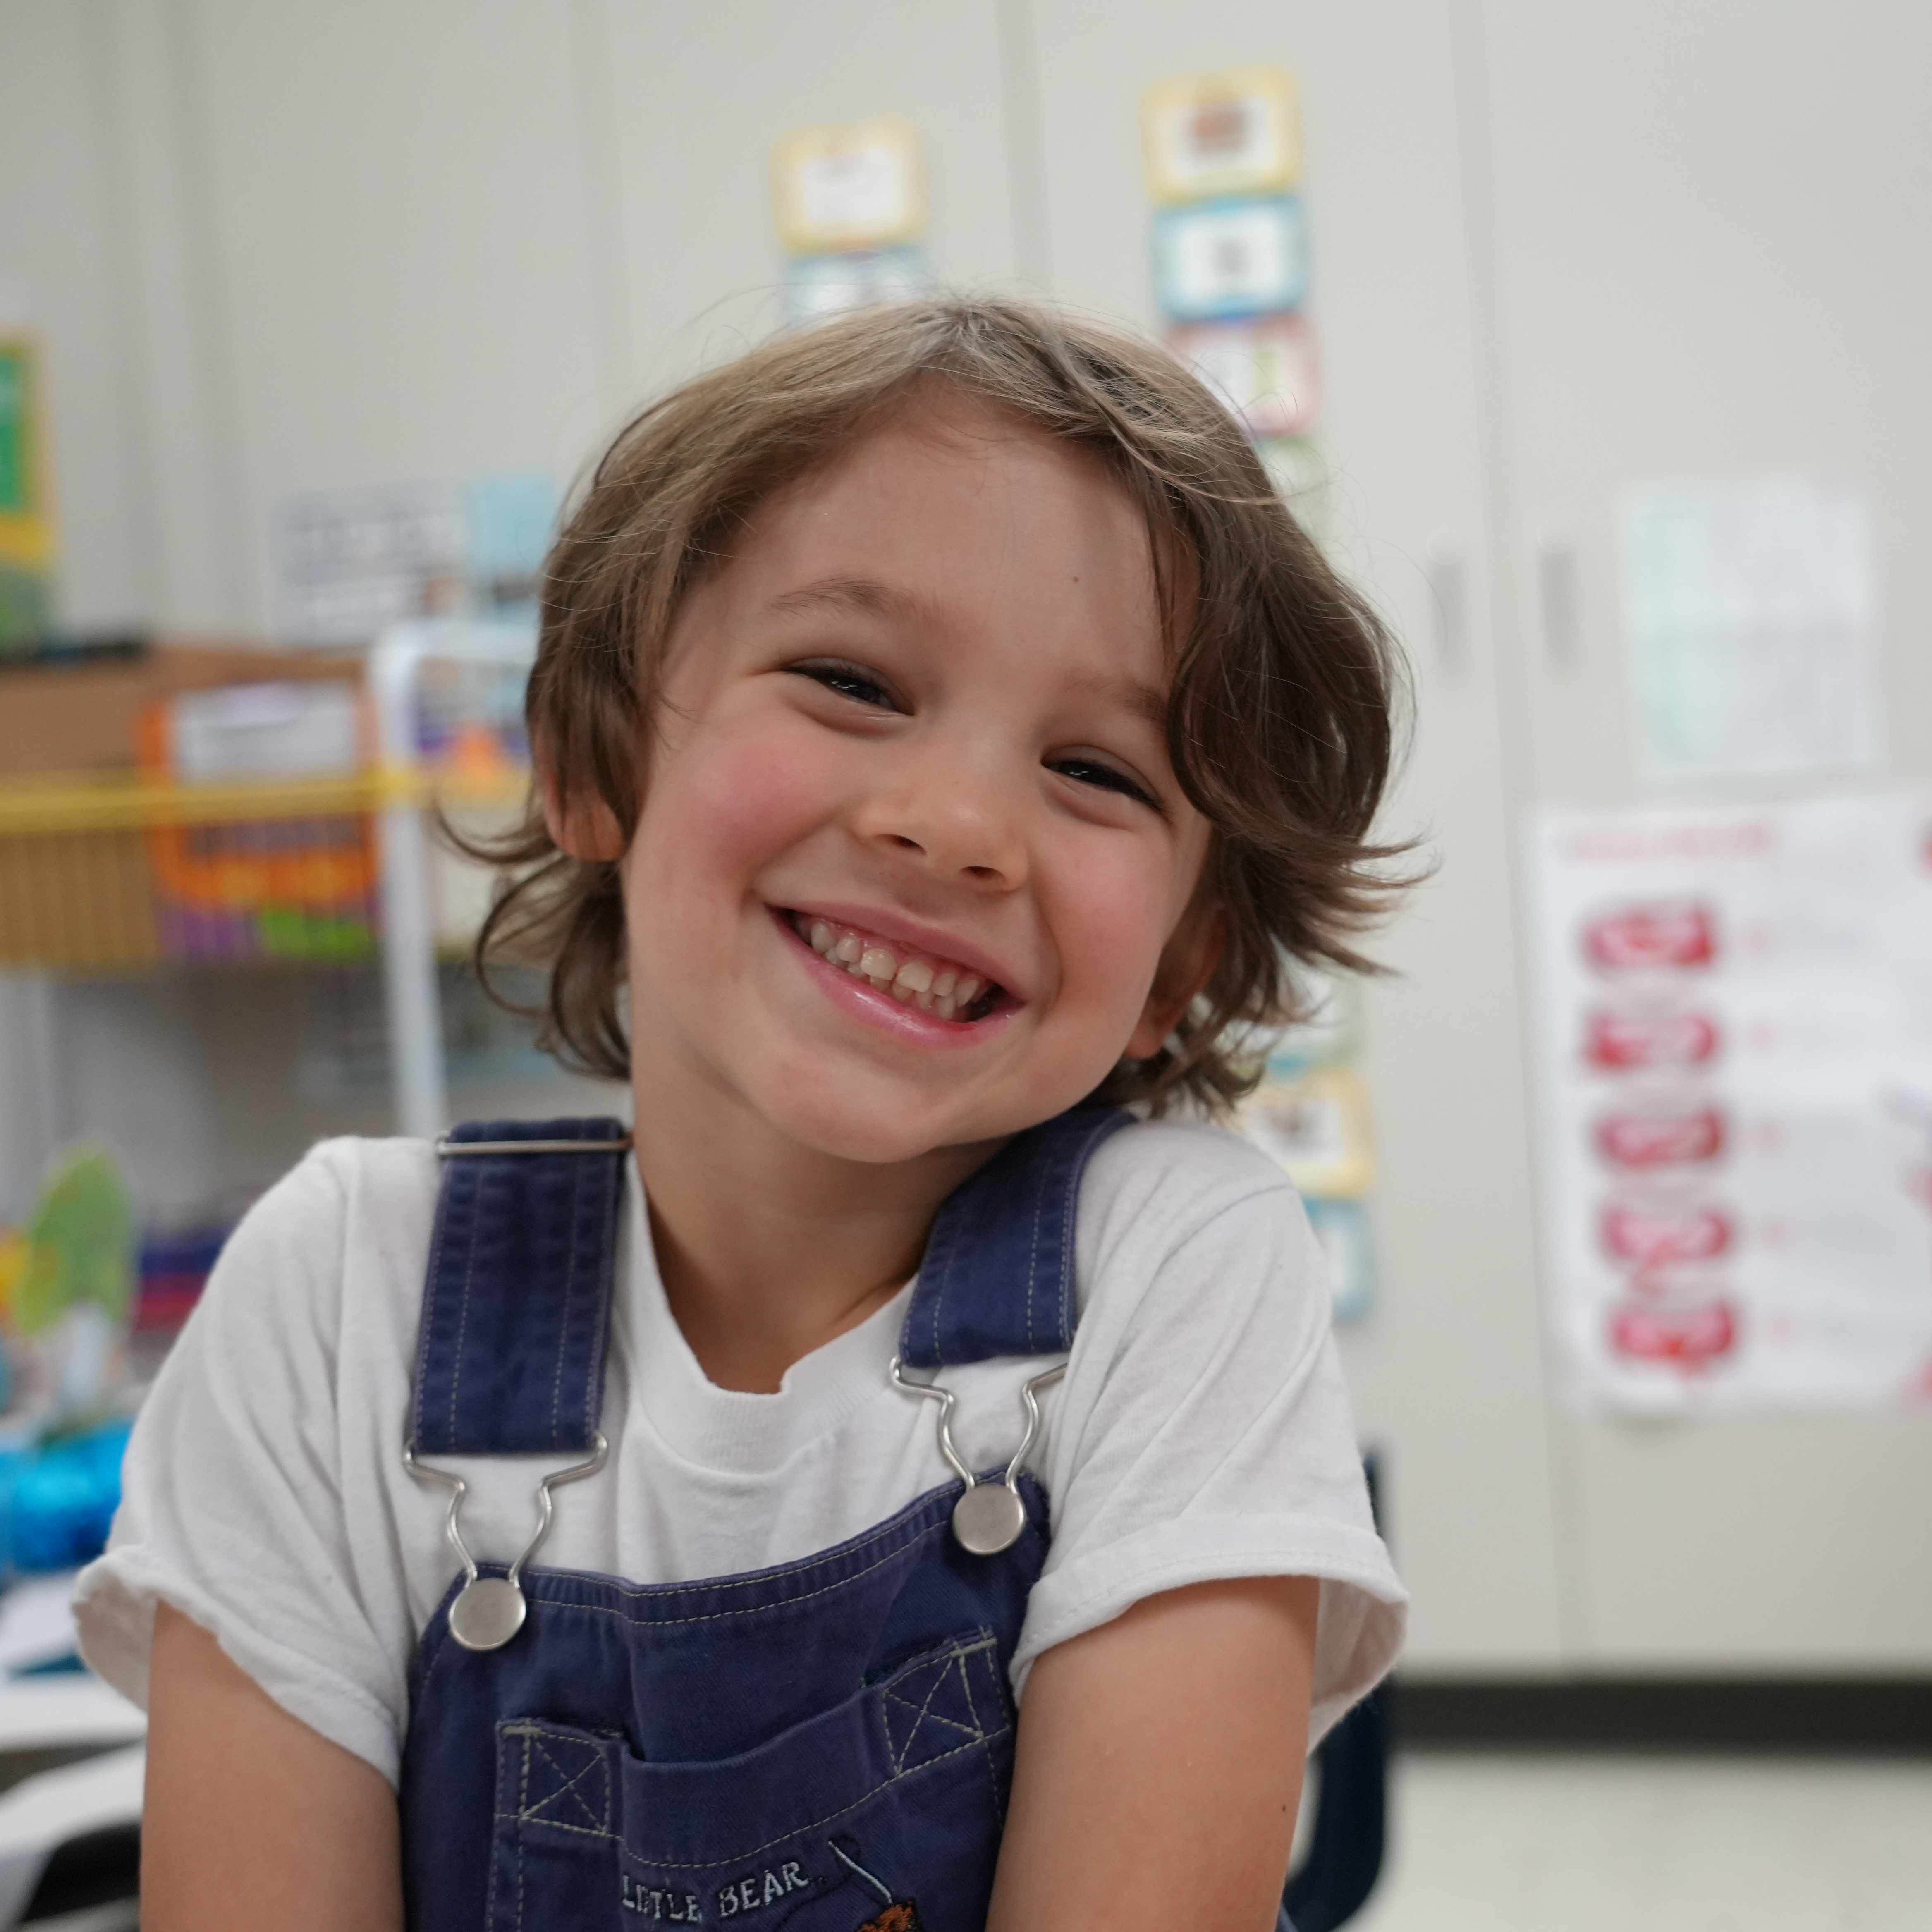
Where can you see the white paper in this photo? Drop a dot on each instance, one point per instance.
(350, 561)
(245, 731)
(864, 189)
(1751, 610)
(1734, 1061)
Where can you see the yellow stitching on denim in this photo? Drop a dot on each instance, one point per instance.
(742, 1582)
(567, 1789)
(922, 1711)
(553, 1824)
(463, 1328)
(523, 1803)
(423, 1323)
(569, 1285)
(496, 1837)
(972, 1705)
(966, 1683)
(811, 1825)
(593, 1381)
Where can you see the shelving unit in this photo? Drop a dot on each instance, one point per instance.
(88, 862)
(85, 860)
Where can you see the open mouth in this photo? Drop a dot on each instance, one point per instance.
(941, 987)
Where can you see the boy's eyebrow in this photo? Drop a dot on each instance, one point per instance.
(1143, 701)
(866, 596)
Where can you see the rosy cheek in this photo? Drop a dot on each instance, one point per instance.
(743, 799)
(1120, 923)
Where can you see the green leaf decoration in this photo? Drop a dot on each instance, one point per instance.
(80, 1242)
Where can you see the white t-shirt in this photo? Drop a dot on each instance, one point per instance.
(1202, 1432)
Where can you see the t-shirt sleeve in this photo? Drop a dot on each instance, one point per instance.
(1203, 1431)
(234, 1509)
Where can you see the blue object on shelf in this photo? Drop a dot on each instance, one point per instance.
(58, 1499)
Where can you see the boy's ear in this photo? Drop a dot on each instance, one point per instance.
(1186, 966)
(585, 827)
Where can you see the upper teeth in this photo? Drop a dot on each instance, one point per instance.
(931, 985)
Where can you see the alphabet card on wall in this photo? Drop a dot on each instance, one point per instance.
(1263, 368)
(1734, 1028)
(1231, 258)
(857, 185)
(819, 287)
(1235, 132)
(849, 205)
(1230, 252)
(1311, 1111)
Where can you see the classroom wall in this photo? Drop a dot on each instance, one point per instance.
(277, 246)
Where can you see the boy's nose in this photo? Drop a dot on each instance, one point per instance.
(953, 819)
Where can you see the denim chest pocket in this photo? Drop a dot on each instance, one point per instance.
(883, 1814)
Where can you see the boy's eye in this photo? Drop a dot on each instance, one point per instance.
(1104, 778)
(847, 680)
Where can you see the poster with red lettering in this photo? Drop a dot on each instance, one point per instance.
(1733, 1021)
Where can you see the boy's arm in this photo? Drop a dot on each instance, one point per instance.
(250, 1818)
(1159, 1766)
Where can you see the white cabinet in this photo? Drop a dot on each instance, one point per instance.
(1557, 249)
(1702, 224)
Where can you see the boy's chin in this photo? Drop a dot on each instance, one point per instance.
(877, 1128)
(873, 1142)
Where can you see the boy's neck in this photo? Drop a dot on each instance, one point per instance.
(767, 1250)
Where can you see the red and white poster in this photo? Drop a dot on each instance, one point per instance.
(1734, 1016)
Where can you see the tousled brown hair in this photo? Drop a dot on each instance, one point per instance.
(1279, 718)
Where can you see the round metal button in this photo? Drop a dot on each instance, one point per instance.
(487, 1612)
(988, 1519)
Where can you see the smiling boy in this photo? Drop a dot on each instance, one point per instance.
(943, 735)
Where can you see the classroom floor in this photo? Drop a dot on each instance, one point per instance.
(1664, 1844)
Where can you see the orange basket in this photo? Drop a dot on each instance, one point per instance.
(268, 887)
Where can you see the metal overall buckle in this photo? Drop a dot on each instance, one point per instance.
(989, 1517)
(490, 1610)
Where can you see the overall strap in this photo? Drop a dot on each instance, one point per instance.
(997, 1278)
(510, 1361)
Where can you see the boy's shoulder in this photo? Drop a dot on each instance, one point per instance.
(351, 1210)
(1183, 1224)
(352, 1177)
(1179, 1164)
(1157, 1186)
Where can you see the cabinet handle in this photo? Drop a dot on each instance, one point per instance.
(1447, 571)
(1556, 597)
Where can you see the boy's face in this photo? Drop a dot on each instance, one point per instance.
(917, 717)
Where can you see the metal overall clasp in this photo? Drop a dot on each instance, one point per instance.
(490, 1610)
(989, 1517)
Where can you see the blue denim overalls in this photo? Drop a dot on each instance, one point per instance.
(825, 1746)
